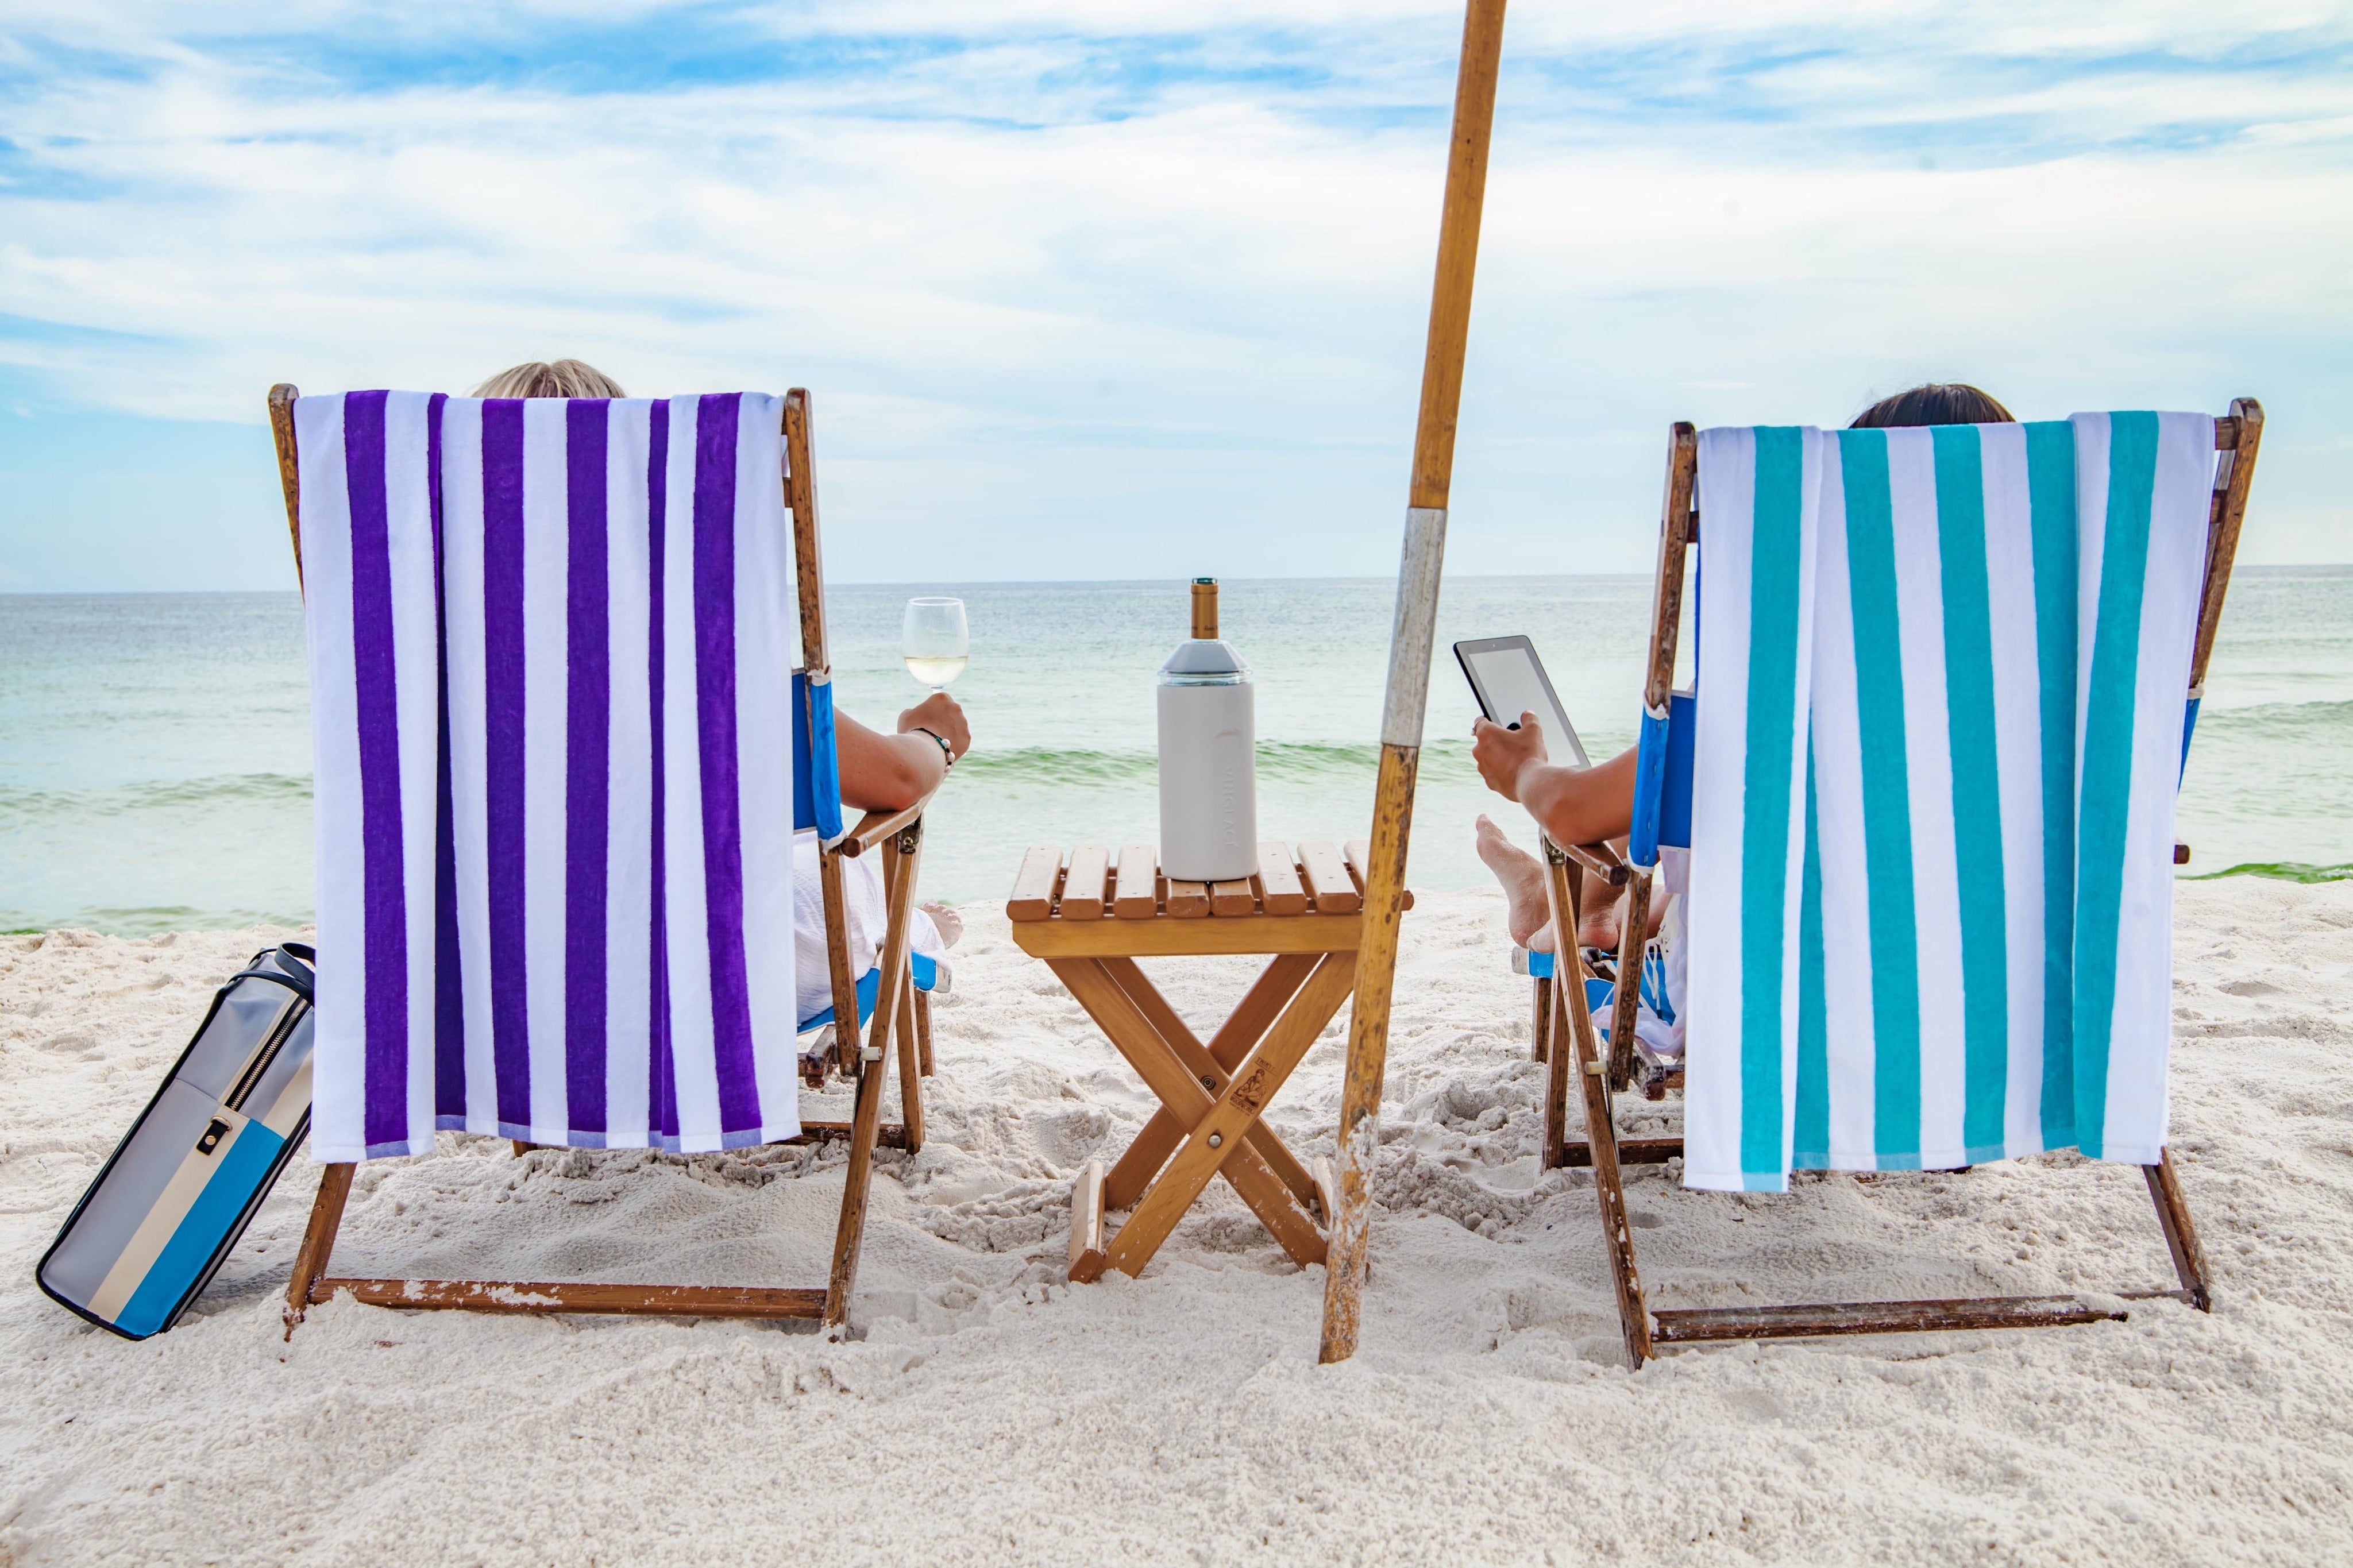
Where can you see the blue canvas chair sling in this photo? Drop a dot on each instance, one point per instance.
(1635, 1070)
(1582, 1070)
(888, 1000)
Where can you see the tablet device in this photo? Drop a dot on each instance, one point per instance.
(1509, 680)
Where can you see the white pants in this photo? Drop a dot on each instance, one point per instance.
(1664, 1034)
(865, 914)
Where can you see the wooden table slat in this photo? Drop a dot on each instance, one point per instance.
(1360, 860)
(1327, 878)
(1321, 881)
(1137, 896)
(1033, 889)
(1082, 885)
(1278, 883)
(1231, 899)
(1156, 938)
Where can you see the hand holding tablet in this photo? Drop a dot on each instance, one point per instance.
(1508, 679)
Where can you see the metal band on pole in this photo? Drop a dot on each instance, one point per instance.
(1408, 684)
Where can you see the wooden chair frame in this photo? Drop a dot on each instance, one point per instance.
(900, 1019)
(2237, 436)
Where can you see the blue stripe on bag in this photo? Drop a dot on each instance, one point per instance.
(1886, 799)
(2051, 499)
(1777, 537)
(243, 1167)
(2104, 794)
(1976, 808)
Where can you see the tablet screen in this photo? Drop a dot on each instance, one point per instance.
(1509, 680)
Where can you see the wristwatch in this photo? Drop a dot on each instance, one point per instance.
(946, 750)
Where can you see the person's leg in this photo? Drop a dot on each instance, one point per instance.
(945, 921)
(1528, 915)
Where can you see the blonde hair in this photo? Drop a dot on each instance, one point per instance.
(564, 378)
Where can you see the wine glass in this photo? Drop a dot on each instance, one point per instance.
(935, 641)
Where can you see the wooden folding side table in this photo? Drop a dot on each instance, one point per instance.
(1090, 921)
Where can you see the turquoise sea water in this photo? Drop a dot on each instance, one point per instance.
(154, 748)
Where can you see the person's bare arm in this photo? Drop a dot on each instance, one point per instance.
(892, 773)
(1575, 805)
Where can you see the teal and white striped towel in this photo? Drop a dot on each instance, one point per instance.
(1939, 739)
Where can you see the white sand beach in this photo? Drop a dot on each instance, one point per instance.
(990, 1412)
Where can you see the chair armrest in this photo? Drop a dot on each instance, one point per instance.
(1600, 860)
(876, 826)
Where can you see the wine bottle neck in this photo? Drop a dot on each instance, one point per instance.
(1205, 609)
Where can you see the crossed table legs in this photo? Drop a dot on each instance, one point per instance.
(1211, 1098)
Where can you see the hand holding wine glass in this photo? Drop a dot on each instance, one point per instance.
(935, 641)
(940, 716)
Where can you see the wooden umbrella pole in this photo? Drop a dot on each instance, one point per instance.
(1408, 684)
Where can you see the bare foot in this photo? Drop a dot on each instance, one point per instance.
(951, 925)
(1527, 915)
(1601, 927)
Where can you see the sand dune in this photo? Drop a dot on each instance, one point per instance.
(992, 1413)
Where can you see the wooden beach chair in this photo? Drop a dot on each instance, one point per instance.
(1569, 1033)
(891, 995)
(1581, 1070)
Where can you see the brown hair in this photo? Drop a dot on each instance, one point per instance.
(1934, 403)
(563, 378)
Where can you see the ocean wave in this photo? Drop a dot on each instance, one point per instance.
(2282, 870)
(152, 919)
(1282, 762)
(160, 794)
(2329, 717)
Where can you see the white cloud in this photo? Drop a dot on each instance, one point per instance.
(1066, 322)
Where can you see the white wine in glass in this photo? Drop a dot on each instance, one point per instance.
(935, 641)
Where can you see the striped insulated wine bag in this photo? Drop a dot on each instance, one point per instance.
(1932, 895)
(181, 1186)
(550, 675)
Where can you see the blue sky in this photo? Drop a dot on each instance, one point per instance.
(1138, 289)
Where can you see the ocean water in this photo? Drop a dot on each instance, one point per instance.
(154, 748)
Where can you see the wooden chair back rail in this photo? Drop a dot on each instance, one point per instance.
(900, 1017)
(1563, 1031)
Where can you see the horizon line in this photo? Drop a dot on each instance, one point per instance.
(2243, 568)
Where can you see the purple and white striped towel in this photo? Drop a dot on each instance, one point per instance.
(551, 670)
